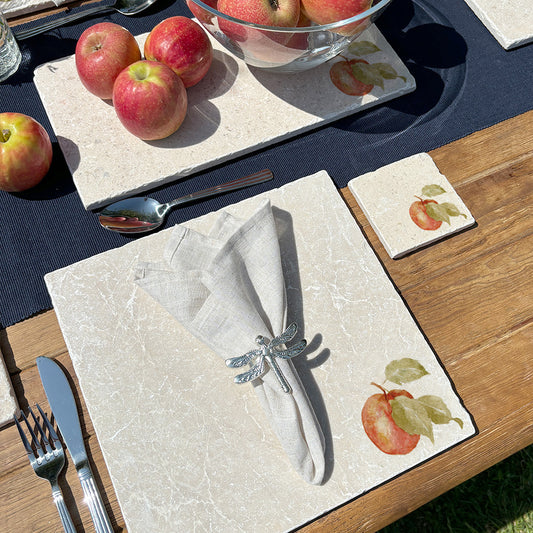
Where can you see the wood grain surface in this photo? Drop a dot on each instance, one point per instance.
(471, 294)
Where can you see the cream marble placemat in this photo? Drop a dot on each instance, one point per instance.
(233, 111)
(510, 21)
(8, 400)
(15, 8)
(186, 448)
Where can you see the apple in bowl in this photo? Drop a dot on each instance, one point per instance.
(102, 52)
(150, 100)
(25, 152)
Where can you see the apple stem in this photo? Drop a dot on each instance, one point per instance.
(4, 137)
(380, 387)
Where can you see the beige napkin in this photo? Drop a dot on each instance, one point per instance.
(227, 288)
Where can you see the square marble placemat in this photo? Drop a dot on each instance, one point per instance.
(8, 400)
(186, 448)
(233, 111)
(410, 204)
(510, 21)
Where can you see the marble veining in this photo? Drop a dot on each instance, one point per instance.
(186, 448)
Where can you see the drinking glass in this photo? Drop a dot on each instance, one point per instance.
(9, 51)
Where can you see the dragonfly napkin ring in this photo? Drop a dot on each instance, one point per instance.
(268, 351)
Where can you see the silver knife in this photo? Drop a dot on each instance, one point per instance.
(63, 405)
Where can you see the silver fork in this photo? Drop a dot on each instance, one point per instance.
(47, 464)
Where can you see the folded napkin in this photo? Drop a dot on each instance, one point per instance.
(227, 288)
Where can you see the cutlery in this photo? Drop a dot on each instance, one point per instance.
(140, 215)
(126, 7)
(49, 464)
(59, 394)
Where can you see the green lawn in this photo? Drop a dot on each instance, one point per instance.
(499, 500)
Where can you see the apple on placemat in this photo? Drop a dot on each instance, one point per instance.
(102, 52)
(150, 100)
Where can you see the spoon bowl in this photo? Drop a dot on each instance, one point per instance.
(126, 7)
(143, 214)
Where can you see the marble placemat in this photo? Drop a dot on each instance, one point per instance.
(511, 22)
(233, 111)
(410, 204)
(15, 8)
(186, 448)
(8, 399)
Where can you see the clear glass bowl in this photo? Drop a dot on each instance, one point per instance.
(283, 49)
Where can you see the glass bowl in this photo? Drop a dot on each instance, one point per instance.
(283, 49)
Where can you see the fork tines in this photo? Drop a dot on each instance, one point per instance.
(36, 440)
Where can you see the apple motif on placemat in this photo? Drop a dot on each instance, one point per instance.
(394, 420)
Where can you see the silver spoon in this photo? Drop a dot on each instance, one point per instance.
(143, 214)
(126, 7)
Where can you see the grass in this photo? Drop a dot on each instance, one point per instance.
(499, 500)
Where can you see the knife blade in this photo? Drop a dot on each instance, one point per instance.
(65, 411)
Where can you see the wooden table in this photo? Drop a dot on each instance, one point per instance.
(471, 294)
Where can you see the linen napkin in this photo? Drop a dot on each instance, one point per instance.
(227, 288)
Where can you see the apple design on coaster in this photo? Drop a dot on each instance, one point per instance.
(410, 204)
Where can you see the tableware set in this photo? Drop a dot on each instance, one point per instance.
(48, 464)
(126, 7)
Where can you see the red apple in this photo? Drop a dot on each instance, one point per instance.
(344, 79)
(420, 217)
(150, 100)
(284, 13)
(183, 45)
(333, 10)
(380, 426)
(200, 13)
(102, 52)
(25, 152)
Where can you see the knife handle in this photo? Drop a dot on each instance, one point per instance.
(101, 521)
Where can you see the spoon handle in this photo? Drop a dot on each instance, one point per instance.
(37, 30)
(246, 181)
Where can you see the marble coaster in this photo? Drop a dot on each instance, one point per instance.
(511, 22)
(189, 450)
(8, 400)
(233, 111)
(410, 204)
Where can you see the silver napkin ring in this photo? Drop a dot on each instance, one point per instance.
(268, 351)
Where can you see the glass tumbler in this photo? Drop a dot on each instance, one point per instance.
(10, 55)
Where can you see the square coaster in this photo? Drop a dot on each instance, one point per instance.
(410, 204)
(8, 401)
(511, 23)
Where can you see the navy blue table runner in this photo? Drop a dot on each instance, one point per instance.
(465, 82)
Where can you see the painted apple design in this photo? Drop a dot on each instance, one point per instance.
(380, 426)
(356, 76)
(428, 214)
(394, 420)
(343, 76)
(419, 215)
